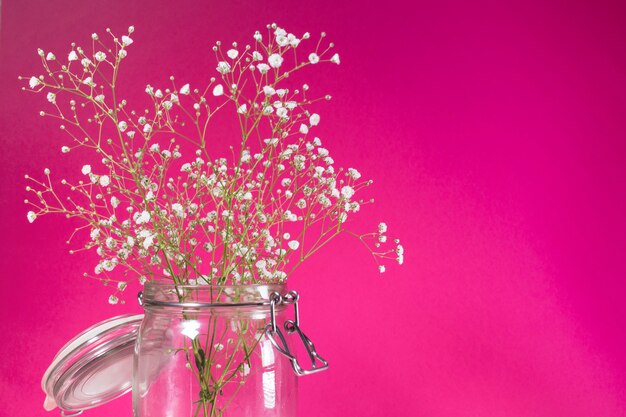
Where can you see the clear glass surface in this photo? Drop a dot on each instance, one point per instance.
(202, 351)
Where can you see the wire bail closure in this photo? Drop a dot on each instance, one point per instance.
(272, 330)
(292, 326)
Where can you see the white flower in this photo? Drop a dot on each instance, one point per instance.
(282, 40)
(105, 180)
(257, 36)
(143, 217)
(232, 53)
(85, 62)
(122, 53)
(86, 170)
(218, 90)
(148, 238)
(31, 216)
(354, 174)
(94, 234)
(293, 41)
(275, 60)
(381, 268)
(293, 244)
(113, 299)
(33, 82)
(126, 40)
(65, 149)
(347, 191)
(242, 109)
(256, 56)
(99, 98)
(263, 68)
(51, 97)
(89, 81)
(184, 90)
(335, 59)
(382, 228)
(314, 119)
(178, 210)
(147, 128)
(72, 56)
(269, 91)
(115, 202)
(50, 57)
(100, 56)
(223, 67)
(282, 112)
(314, 58)
(122, 126)
(304, 129)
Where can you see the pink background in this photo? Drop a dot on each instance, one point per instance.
(495, 135)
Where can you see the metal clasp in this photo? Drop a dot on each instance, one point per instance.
(292, 326)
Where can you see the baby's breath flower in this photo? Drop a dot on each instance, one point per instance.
(223, 67)
(314, 58)
(184, 90)
(72, 56)
(263, 68)
(100, 56)
(50, 57)
(104, 180)
(242, 109)
(33, 82)
(347, 192)
(51, 97)
(382, 228)
(354, 174)
(113, 299)
(335, 59)
(381, 268)
(86, 169)
(31, 216)
(257, 36)
(218, 90)
(65, 149)
(314, 120)
(269, 91)
(142, 218)
(293, 244)
(126, 40)
(232, 53)
(256, 56)
(275, 60)
(304, 129)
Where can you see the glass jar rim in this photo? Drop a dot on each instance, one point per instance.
(169, 294)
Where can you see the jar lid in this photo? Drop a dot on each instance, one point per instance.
(93, 368)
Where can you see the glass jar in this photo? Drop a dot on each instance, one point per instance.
(210, 351)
